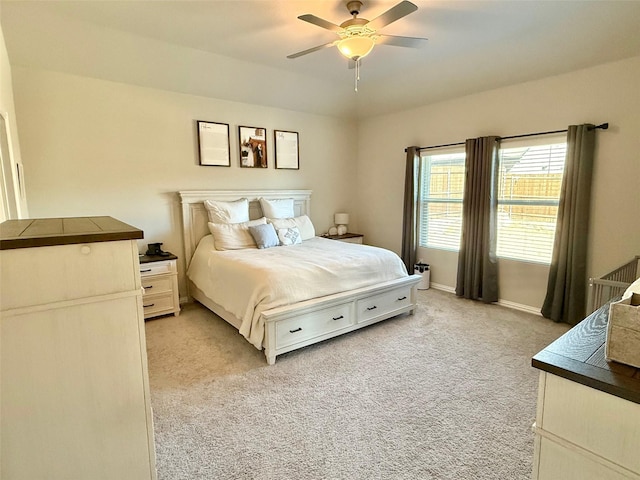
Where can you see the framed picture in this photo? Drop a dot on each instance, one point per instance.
(287, 149)
(213, 142)
(253, 147)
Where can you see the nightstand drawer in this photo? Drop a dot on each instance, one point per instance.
(157, 304)
(299, 329)
(159, 284)
(371, 307)
(157, 268)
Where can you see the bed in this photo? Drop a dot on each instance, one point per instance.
(334, 306)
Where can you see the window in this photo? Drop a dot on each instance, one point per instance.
(441, 190)
(529, 182)
(528, 191)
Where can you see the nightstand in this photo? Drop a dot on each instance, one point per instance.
(159, 278)
(347, 237)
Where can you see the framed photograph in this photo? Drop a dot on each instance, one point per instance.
(287, 149)
(213, 142)
(253, 147)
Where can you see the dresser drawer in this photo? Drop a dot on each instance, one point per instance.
(42, 275)
(157, 268)
(372, 307)
(606, 425)
(154, 305)
(305, 327)
(160, 284)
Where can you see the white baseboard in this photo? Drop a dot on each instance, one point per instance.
(520, 306)
(504, 303)
(444, 288)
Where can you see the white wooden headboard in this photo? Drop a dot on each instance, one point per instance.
(195, 218)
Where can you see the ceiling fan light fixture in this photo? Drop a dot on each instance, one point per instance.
(356, 47)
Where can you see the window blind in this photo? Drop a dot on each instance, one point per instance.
(529, 183)
(442, 188)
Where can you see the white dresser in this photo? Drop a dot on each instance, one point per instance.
(74, 397)
(588, 420)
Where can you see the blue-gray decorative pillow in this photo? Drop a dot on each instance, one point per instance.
(264, 235)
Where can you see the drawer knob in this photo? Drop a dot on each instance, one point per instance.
(145, 271)
(296, 330)
(402, 298)
(150, 305)
(338, 318)
(150, 286)
(372, 308)
(85, 249)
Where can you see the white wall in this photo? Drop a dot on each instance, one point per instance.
(14, 203)
(94, 147)
(607, 93)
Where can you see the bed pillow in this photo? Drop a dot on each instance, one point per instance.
(234, 236)
(303, 223)
(280, 208)
(289, 236)
(265, 235)
(633, 288)
(227, 212)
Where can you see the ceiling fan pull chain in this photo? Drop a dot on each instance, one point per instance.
(357, 72)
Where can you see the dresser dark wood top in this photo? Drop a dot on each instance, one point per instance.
(43, 232)
(578, 355)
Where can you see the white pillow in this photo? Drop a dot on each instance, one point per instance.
(633, 288)
(234, 236)
(289, 236)
(280, 208)
(303, 223)
(227, 212)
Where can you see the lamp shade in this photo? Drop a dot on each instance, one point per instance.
(356, 47)
(341, 218)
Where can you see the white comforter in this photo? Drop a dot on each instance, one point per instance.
(248, 282)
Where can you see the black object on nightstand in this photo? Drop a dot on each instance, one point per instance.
(155, 250)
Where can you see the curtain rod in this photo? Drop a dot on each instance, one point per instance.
(602, 126)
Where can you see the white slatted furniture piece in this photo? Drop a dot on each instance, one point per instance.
(74, 395)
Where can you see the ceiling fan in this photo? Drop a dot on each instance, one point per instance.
(359, 35)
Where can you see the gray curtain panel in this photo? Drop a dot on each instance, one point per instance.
(477, 262)
(411, 204)
(566, 288)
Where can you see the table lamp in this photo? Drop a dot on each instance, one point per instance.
(341, 220)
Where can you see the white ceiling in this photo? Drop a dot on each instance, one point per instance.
(237, 50)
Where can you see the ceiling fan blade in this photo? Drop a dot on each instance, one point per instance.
(394, 13)
(311, 50)
(320, 22)
(411, 42)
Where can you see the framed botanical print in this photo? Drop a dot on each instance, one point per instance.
(253, 147)
(213, 144)
(287, 149)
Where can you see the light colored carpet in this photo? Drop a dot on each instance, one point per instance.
(447, 393)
